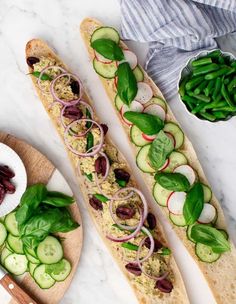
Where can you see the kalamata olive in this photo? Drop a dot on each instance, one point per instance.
(9, 187)
(125, 213)
(6, 172)
(31, 61)
(105, 128)
(75, 87)
(164, 285)
(157, 245)
(122, 175)
(72, 112)
(101, 165)
(151, 220)
(133, 268)
(2, 193)
(95, 203)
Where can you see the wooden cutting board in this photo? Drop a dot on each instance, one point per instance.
(41, 170)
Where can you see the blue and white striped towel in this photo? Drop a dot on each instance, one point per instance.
(175, 31)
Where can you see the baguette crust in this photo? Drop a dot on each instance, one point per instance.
(220, 275)
(178, 295)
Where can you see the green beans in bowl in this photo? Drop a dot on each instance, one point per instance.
(208, 85)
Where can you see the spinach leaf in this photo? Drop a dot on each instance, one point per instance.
(30, 201)
(193, 204)
(108, 49)
(173, 181)
(147, 123)
(43, 77)
(90, 141)
(58, 199)
(210, 236)
(160, 149)
(127, 84)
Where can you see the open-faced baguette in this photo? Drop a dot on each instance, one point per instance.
(39, 49)
(220, 275)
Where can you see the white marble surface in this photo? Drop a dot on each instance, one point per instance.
(98, 279)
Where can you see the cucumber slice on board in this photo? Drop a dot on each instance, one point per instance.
(178, 220)
(3, 234)
(138, 73)
(205, 253)
(11, 224)
(207, 193)
(61, 270)
(32, 267)
(50, 251)
(32, 259)
(4, 254)
(175, 159)
(176, 132)
(106, 70)
(161, 194)
(142, 160)
(15, 243)
(43, 279)
(188, 232)
(16, 264)
(105, 32)
(30, 251)
(159, 101)
(118, 102)
(137, 137)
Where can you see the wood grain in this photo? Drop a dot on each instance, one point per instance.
(39, 170)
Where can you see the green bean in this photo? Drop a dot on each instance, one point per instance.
(226, 96)
(215, 104)
(221, 114)
(225, 108)
(190, 99)
(214, 54)
(221, 60)
(233, 64)
(226, 81)
(198, 108)
(209, 87)
(201, 61)
(207, 116)
(232, 84)
(218, 73)
(182, 86)
(200, 87)
(216, 88)
(194, 82)
(202, 97)
(205, 69)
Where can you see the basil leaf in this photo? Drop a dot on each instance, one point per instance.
(173, 181)
(101, 197)
(90, 141)
(147, 123)
(88, 115)
(58, 199)
(210, 236)
(65, 224)
(127, 84)
(193, 204)
(108, 49)
(160, 149)
(43, 77)
(165, 251)
(89, 176)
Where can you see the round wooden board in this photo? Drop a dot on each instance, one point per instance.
(40, 170)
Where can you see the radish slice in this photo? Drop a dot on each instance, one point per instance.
(149, 137)
(135, 106)
(101, 58)
(175, 202)
(115, 81)
(166, 164)
(144, 93)
(208, 214)
(131, 58)
(171, 137)
(155, 109)
(187, 171)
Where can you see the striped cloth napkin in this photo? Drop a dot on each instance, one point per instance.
(175, 31)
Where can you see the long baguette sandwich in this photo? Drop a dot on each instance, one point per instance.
(166, 157)
(120, 211)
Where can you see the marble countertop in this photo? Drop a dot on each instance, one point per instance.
(98, 279)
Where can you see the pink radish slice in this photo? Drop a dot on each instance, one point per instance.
(131, 58)
(134, 106)
(149, 137)
(187, 171)
(166, 164)
(115, 81)
(175, 202)
(102, 59)
(144, 93)
(208, 214)
(155, 109)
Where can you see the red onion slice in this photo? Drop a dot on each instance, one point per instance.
(152, 244)
(44, 70)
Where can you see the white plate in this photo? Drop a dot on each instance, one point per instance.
(11, 159)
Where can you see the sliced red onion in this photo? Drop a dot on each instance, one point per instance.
(151, 249)
(44, 70)
(95, 149)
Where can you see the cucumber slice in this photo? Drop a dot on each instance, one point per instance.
(16, 264)
(225, 234)
(30, 251)
(4, 254)
(11, 224)
(3, 234)
(159, 101)
(142, 160)
(137, 137)
(205, 253)
(178, 220)
(59, 271)
(43, 279)
(32, 259)
(176, 132)
(50, 251)
(106, 70)
(2, 219)
(188, 232)
(161, 194)
(138, 73)
(175, 159)
(118, 102)
(15, 243)
(32, 268)
(105, 32)
(8, 247)
(207, 193)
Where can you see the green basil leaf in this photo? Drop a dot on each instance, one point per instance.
(89, 176)
(108, 49)
(147, 123)
(43, 77)
(173, 181)
(88, 115)
(101, 197)
(90, 141)
(121, 183)
(58, 199)
(193, 204)
(127, 84)
(160, 149)
(210, 236)
(129, 246)
(65, 224)
(165, 251)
